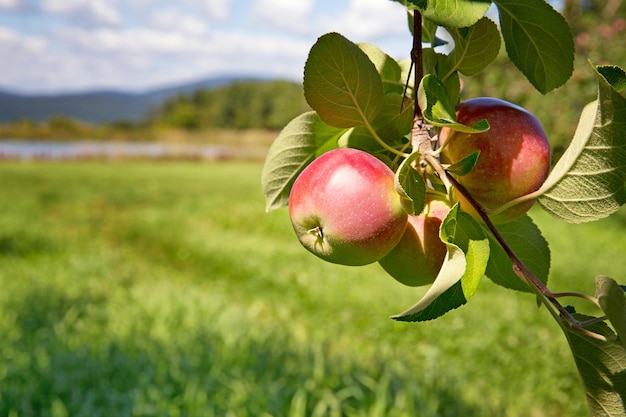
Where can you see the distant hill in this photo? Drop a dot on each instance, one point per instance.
(97, 106)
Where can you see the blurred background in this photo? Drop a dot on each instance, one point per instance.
(140, 275)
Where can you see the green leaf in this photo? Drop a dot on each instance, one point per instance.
(475, 47)
(452, 13)
(440, 66)
(411, 186)
(392, 123)
(438, 109)
(465, 165)
(341, 83)
(613, 302)
(387, 67)
(602, 368)
(395, 119)
(538, 41)
(587, 183)
(462, 269)
(527, 242)
(614, 75)
(359, 138)
(297, 145)
(434, 100)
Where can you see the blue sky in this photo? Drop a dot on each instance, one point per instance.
(75, 45)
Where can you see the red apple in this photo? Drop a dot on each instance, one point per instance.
(344, 208)
(417, 258)
(514, 155)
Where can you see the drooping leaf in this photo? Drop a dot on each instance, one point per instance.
(538, 41)
(587, 183)
(410, 186)
(434, 100)
(341, 83)
(297, 145)
(602, 368)
(439, 110)
(613, 302)
(441, 66)
(387, 67)
(527, 242)
(475, 47)
(462, 269)
(614, 75)
(465, 165)
(452, 13)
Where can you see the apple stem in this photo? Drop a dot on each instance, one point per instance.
(317, 231)
(441, 172)
(515, 202)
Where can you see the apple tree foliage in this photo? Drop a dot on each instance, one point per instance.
(362, 98)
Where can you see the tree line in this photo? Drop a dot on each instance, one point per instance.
(240, 105)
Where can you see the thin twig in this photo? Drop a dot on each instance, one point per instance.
(416, 58)
(593, 321)
(587, 297)
(421, 141)
(518, 266)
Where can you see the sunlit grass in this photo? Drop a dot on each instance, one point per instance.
(165, 289)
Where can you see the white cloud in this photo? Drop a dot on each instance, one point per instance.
(374, 19)
(13, 41)
(383, 23)
(212, 9)
(21, 57)
(283, 14)
(9, 4)
(229, 47)
(7, 36)
(141, 58)
(132, 40)
(105, 12)
(173, 19)
(98, 11)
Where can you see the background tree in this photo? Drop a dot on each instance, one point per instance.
(240, 105)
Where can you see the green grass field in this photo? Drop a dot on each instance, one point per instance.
(146, 289)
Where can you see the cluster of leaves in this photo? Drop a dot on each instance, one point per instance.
(240, 105)
(363, 98)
